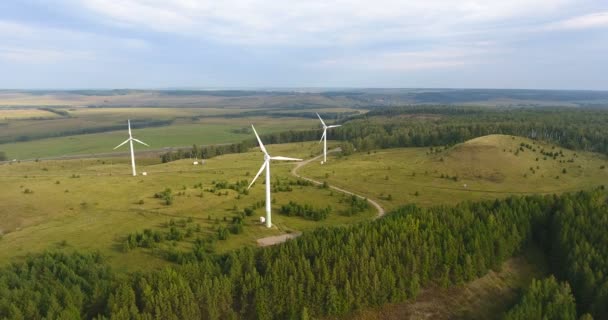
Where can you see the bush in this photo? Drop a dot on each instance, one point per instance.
(166, 196)
(305, 211)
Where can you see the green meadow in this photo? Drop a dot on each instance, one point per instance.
(212, 131)
(93, 204)
(488, 167)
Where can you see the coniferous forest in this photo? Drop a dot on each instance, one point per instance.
(334, 271)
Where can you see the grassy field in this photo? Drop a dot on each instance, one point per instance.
(209, 131)
(28, 133)
(95, 203)
(484, 168)
(29, 113)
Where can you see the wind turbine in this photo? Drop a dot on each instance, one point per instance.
(266, 165)
(130, 141)
(324, 137)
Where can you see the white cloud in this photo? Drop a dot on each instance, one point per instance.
(403, 60)
(27, 43)
(41, 55)
(315, 22)
(588, 21)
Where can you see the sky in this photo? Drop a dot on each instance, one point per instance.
(528, 44)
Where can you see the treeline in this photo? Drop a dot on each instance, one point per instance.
(421, 126)
(210, 151)
(305, 211)
(59, 112)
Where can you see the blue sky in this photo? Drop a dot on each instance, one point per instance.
(548, 44)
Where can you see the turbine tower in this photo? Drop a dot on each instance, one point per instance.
(266, 165)
(324, 137)
(130, 141)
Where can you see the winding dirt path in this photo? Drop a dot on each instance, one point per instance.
(269, 241)
(299, 165)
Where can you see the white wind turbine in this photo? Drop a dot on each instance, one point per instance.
(324, 137)
(266, 165)
(130, 141)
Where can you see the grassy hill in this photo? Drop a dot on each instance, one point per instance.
(483, 168)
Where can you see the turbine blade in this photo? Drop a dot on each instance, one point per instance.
(334, 126)
(129, 124)
(285, 159)
(323, 136)
(260, 141)
(259, 172)
(120, 145)
(321, 120)
(145, 144)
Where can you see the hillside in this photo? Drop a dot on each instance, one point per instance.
(483, 168)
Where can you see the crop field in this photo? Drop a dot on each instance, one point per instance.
(484, 168)
(28, 113)
(95, 203)
(29, 133)
(214, 131)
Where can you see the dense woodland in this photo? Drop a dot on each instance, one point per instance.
(333, 271)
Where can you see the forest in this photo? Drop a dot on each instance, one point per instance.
(337, 270)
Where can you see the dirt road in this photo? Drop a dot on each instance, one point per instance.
(295, 169)
(269, 241)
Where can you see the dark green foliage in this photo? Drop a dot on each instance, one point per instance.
(59, 112)
(222, 233)
(305, 211)
(166, 196)
(355, 205)
(545, 299)
(581, 129)
(578, 248)
(3, 156)
(55, 286)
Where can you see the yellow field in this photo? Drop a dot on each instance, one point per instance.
(20, 114)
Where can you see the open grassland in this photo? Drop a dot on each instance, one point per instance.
(95, 204)
(139, 98)
(180, 134)
(484, 168)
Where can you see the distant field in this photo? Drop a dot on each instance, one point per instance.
(94, 204)
(485, 168)
(29, 113)
(210, 131)
(27, 133)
